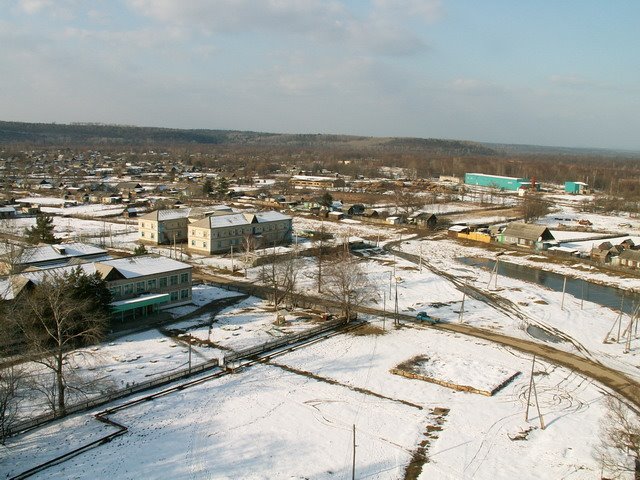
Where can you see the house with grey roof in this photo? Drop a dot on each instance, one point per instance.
(222, 233)
(526, 235)
(628, 259)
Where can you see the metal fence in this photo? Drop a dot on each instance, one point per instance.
(283, 341)
(114, 395)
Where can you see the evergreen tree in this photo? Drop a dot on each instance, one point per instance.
(222, 186)
(42, 231)
(140, 250)
(207, 187)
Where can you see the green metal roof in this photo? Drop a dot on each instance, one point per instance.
(143, 301)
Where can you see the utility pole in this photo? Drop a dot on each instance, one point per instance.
(390, 277)
(320, 256)
(397, 322)
(174, 245)
(582, 298)
(384, 309)
(189, 340)
(353, 463)
(532, 386)
(494, 271)
(420, 263)
(564, 287)
(232, 269)
(464, 294)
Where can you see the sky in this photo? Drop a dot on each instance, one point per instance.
(543, 72)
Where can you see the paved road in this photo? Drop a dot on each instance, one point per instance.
(612, 379)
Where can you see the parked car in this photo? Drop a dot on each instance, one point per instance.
(424, 317)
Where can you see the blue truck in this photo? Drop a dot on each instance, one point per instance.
(424, 317)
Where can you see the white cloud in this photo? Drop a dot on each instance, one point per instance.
(34, 6)
(427, 10)
(380, 30)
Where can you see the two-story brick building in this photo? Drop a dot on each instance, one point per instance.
(221, 233)
(162, 227)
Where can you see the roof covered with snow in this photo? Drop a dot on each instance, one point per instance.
(163, 215)
(59, 252)
(239, 219)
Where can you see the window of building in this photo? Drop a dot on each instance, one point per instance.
(142, 234)
(184, 278)
(153, 235)
(174, 296)
(116, 291)
(193, 243)
(204, 244)
(139, 287)
(174, 279)
(184, 293)
(128, 289)
(152, 284)
(163, 282)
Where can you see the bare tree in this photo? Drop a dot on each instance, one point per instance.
(10, 379)
(346, 282)
(281, 276)
(533, 207)
(55, 318)
(619, 450)
(13, 256)
(249, 247)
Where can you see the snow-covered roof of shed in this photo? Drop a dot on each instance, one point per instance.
(49, 253)
(171, 214)
(138, 266)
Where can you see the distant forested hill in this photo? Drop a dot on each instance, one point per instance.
(97, 134)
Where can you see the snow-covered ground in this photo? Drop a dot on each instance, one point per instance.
(583, 329)
(294, 418)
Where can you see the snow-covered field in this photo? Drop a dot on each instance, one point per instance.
(293, 418)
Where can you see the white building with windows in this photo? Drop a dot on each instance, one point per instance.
(139, 285)
(221, 233)
(163, 227)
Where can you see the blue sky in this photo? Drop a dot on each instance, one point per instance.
(563, 73)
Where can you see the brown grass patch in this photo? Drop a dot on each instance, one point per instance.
(367, 329)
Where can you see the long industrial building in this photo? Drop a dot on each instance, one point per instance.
(496, 181)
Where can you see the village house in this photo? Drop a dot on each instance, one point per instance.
(628, 259)
(527, 235)
(221, 233)
(162, 227)
(423, 219)
(604, 252)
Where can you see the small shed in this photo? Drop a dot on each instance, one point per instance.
(424, 219)
(454, 230)
(353, 209)
(576, 188)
